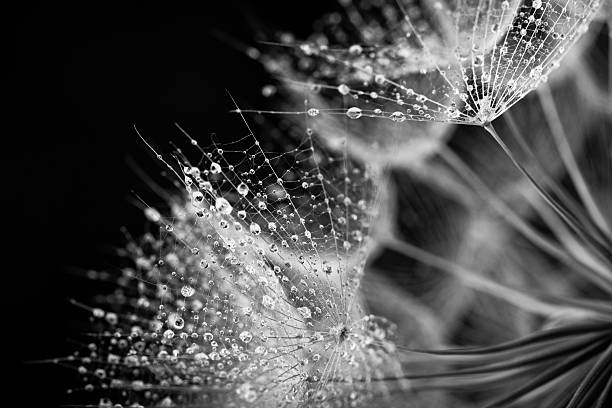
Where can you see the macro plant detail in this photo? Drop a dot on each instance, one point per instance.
(337, 259)
(249, 294)
(462, 62)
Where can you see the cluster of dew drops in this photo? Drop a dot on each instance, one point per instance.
(203, 314)
(474, 86)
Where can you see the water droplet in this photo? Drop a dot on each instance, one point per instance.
(268, 302)
(268, 90)
(354, 113)
(536, 72)
(223, 206)
(305, 312)
(215, 168)
(355, 49)
(175, 321)
(255, 228)
(312, 112)
(187, 291)
(398, 117)
(243, 189)
(343, 89)
(246, 336)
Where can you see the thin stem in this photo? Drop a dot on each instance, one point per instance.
(524, 228)
(599, 248)
(538, 303)
(560, 137)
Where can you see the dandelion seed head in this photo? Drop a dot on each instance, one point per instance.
(405, 54)
(250, 290)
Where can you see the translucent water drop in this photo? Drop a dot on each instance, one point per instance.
(255, 228)
(200, 356)
(343, 89)
(355, 49)
(152, 214)
(272, 226)
(268, 302)
(187, 291)
(380, 79)
(242, 214)
(246, 336)
(398, 117)
(312, 112)
(305, 312)
(215, 168)
(537, 4)
(111, 318)
(536, 72)
(242, 189)
(453, 113)
(175, 321)
(197, 197)
(354, 112)
(268, 90)
(223, 206)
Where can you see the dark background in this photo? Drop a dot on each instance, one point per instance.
(80, 76)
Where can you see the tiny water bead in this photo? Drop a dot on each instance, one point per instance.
(187, 291)
(255, 229)
(312, 112)
(268, 302)
(242, 189)
(398, 117)
(223, 206)
(246, 336)
(176, 321)
(354, 113)
(305, 312)
(343, 89)
(215, 168)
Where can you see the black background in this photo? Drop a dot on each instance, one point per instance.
(81, 75)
